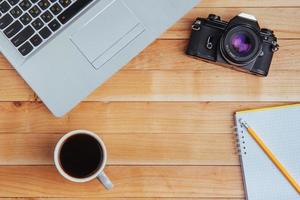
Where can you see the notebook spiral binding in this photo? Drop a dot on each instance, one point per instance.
(240, 142)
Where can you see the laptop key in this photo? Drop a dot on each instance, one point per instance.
(25, 5)
(28, 23)
(35, 11)
(4, 7)
(25, 19)
(36, 40)
(46, 16)
(5, 21)
(13, 2)
(25, 49)
(13, 29)
(54, 25)
(45, 32)
(73, 10)
(37, 24)
(24, 35)
(65, 3)
(16, 12)
(44, 4)
(56, 9)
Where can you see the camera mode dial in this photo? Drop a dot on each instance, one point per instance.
(267, 31)
(214, 17)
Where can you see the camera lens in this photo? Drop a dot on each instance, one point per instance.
(241, 45)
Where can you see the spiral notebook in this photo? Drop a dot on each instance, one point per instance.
(279, 128)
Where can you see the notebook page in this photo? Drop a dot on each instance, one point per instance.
(279, 128)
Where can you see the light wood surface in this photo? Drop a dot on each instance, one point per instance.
(283, 20)
(141, 149)
(130, 181)
(97, 198)
(166, 119)
(160, 74)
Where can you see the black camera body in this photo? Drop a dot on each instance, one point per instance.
(240, 43)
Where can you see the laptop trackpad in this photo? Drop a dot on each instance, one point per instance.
(107, 33)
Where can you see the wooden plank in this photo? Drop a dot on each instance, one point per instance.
(168, 82)
(139, 181)
(13, 87)
(249, 3)
(127, 117)
(4, 64)
(87, 198)
(284, 21)
(128, 149)
(206, 85)
(170, 55)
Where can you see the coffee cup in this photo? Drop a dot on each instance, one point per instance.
(80, 156)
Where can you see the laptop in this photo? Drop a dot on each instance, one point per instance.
(65, 49)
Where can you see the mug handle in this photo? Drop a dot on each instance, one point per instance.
(103, 178)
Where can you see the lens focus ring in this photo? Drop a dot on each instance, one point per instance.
(241, 45)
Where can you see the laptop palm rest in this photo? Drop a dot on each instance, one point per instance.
(107, 34)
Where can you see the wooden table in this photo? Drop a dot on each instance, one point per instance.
(167, 119)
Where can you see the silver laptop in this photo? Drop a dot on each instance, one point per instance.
(65, 49)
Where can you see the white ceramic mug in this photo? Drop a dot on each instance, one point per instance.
(99, 174)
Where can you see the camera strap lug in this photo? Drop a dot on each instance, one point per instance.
(197, 25)
(275, 46)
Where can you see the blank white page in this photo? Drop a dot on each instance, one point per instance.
(279, 128)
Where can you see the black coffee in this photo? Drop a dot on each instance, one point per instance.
(81, 156)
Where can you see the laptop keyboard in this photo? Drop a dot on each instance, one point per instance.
(30, 23)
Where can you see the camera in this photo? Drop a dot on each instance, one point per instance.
(239, 43)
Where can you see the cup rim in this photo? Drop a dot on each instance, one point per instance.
(57, 152)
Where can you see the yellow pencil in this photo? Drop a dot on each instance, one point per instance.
(271, 156)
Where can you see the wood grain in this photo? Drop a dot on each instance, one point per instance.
(128, 149)
(170, 55)
(284, 21)
(141, 181)
(112, 198)
(162, 75)
(249, 3)
(166, 140)
(13, 87)
(126, 117)
(207, 85)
